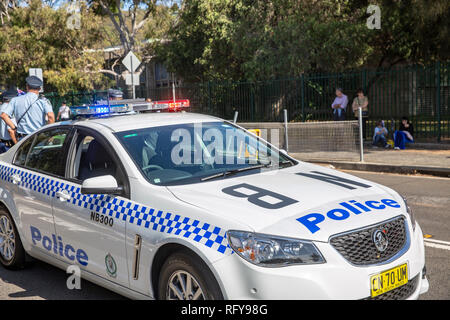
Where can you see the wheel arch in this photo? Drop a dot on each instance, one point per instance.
(164, 252)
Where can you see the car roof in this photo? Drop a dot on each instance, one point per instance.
(145, 120)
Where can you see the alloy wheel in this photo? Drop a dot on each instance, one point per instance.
(7, 239)
(183, 286)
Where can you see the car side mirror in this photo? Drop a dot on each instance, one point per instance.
(101, 185)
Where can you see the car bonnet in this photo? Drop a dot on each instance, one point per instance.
(303, 201)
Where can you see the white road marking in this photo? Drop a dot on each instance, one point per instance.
(415, 176)
(438, 241)
(437, 244)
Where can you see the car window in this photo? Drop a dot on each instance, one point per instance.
(91, 159)
(22, 152)
(46, 152)
(191, 153)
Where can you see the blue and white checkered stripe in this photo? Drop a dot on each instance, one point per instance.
(142, 216)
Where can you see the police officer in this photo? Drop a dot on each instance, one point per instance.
(29, 110)
(5, 131)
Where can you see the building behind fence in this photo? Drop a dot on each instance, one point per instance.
(421, 93)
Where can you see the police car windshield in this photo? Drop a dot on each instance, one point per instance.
(197, 152)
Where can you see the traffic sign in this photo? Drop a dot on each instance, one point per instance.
(131, 62)
(132, 81)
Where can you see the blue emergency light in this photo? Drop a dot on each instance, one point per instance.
(91, 110)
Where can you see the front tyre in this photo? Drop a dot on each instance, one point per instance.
(12, 254)
(184, 277)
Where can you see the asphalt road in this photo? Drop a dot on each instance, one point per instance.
(429, 198)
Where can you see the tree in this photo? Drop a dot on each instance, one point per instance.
(260, 39)
(37, 36)
(130, 20)
(412, 31)
(5, 8)
(128, 17)
(263, 39)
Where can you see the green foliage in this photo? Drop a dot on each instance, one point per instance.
(262, 39)
(414, 31)
(37, 37)
(219, 39)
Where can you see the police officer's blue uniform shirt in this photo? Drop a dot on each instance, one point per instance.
(4, 134)
(35, 117)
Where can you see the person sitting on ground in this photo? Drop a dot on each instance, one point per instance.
(404, 135)
(380, 135)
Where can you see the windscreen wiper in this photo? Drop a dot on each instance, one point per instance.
(235, 171)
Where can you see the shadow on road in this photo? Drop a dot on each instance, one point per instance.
(40, 280)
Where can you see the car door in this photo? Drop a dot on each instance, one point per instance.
(89, 222)
(38, 167)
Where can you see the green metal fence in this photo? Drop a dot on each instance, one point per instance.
(421, 93)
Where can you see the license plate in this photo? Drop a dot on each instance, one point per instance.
(388, 280)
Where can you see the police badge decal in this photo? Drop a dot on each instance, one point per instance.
(111, 267)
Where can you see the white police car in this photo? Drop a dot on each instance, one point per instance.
(187, 206)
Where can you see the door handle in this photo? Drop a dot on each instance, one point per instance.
(16, 179)
(63, 195)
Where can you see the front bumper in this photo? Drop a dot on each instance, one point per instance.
(335, 279)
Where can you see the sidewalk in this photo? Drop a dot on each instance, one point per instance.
(409, 161)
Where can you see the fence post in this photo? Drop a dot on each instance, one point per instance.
(286, 130)
(252, 102)
(209, 96)
(235, 117)
(361, 142)
(303, 97)
(438, 99)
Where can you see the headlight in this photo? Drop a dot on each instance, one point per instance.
(272, 251)
(410, 213)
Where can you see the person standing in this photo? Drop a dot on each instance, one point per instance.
(6, 132)
(361, 101)
(64, 112)
(29, 110)
(339, 105)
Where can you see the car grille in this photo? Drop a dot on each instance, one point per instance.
(358, 246)
(399, 293)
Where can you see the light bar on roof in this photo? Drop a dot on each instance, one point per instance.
(127, 106)
(121, 108)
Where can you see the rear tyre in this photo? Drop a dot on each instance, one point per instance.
(12, 254)
(185, 277)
